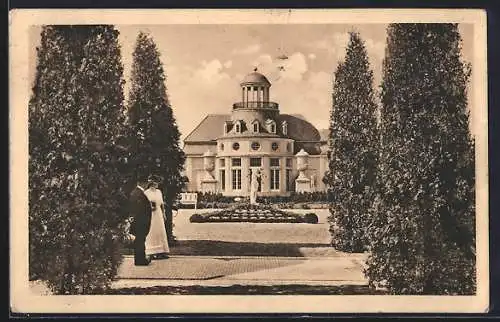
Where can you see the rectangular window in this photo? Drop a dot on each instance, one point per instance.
(288, 162)
(236, 179)
(275, 179)
(288, 179)
(236, 162)
(222, 163)
(255, 162)
(222, 180)
(275, 162)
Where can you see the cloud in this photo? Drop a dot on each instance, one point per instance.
(228, 64)
(374, 48)
(263, 61)
(311, 97)
(334, 45)
(376, 52)
(195, 91)
(267, 66)
(211, 72)
(251, 49)
(311, 56)
(294, 67)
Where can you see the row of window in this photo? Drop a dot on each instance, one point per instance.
(274, 173)
(256, 162)
(270, 124)
(256, 146)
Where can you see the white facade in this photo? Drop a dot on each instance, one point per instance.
(223, 149)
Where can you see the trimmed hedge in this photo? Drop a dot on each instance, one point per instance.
(310, 218)
(303, 197)
(310, 200)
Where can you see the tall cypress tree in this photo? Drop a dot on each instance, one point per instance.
(154, 130)
(423, 228)
(353, 144)
(76, 118)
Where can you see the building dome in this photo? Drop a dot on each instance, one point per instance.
(256, 78)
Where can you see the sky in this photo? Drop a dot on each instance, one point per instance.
(205, 64)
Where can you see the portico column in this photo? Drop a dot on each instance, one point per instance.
(265, 175)
(283, 175)
(227, 166)
(190, 173)
(245, 179)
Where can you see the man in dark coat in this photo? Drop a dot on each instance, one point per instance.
(140, 212)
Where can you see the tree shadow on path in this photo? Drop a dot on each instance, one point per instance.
(226, 248)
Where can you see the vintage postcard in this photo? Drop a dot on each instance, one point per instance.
(248, 161)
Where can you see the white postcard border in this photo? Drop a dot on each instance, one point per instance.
(22, 300)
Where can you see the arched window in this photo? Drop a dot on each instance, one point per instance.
(237, 127)
(255, 125)
(271, 126)
(284, 127)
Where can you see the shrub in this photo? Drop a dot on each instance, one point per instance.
(311, 218)
(196, 218)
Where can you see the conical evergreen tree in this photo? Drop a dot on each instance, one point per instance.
(423, 227)
(154, 130)
(76, 118)
(353, 146)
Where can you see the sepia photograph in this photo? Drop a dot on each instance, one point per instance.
(251, 161)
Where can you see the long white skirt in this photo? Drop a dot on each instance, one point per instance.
(156, 240)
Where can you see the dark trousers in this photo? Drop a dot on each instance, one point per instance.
(140, 249)
(169, 225)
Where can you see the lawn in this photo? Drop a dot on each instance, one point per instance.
(251, 239)
(281, 233)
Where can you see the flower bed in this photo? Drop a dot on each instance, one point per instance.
(256, 214)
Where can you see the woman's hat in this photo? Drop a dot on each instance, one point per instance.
(155, 178)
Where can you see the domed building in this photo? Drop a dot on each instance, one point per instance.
(287, 152)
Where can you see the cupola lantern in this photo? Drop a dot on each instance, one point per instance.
(255, 90)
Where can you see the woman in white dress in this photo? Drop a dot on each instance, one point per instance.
(156, 240)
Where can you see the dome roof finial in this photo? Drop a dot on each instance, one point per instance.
(256, 78)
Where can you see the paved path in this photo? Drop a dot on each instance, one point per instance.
(296, 254)
(233, 270)
(246, 254)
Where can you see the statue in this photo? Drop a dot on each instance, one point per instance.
(254, 187)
